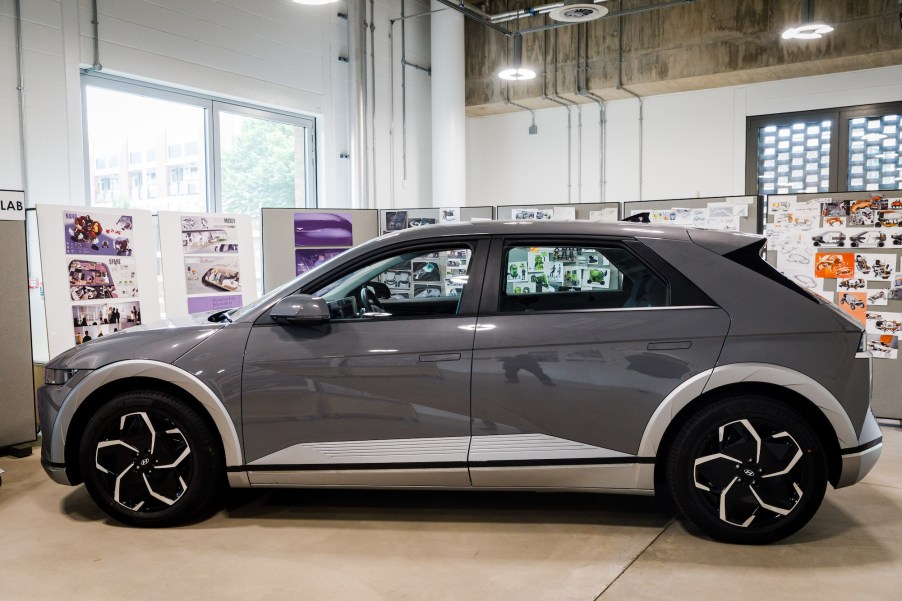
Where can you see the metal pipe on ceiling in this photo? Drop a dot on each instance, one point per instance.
(620, 86)
(20, 88)
(357, 104)
(602, 117)
(619, 13)
(567, 104)
(391, 112)
(373, 153)
(95, 22)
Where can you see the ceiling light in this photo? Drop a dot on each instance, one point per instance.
(516, 72)
(810, 29)
(314, 2)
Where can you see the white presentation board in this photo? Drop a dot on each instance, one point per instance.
(100, 273)
(208, 262)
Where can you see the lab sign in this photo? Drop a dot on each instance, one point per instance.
(12, 205)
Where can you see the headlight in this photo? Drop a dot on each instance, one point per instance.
(58, 377)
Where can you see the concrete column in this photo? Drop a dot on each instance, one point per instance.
(449, 139)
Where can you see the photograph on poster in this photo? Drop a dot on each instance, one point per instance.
(878, 297)
(883, 322)
(854, 304)
(209, 234)
(319, 229)
(97, 233)
(428, 271)
(307, 258)
(837, 208)
(95, 321)
(874, 267)
(419, 221)
(597, 278)
(426, 291)
(834, 265)
(204, 275)
(395, 220)
(111, 278)
(451, 215)
(397, 279)
(883, 346)
(516, 271)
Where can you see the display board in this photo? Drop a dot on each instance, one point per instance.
(392, 220)
(100, 273)
(847, 247)
(594, 211)
(295, 240)
(208, 261)
(729, 213)
(17, 415)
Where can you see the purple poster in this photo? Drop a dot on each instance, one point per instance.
(98, 233)
(322, 229)
(308, 258)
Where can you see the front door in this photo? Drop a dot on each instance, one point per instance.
(381, 394)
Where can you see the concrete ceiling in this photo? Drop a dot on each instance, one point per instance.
(703, 44)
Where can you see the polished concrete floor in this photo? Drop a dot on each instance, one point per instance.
(55, 544)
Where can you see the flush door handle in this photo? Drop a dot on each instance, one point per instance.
(669, 346)
(439, 357)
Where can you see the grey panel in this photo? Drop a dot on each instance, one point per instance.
(582, 209)
(278, 239)
(466, 214)
(886, 399)
(17, 417)
(749, 224)
(597, 383)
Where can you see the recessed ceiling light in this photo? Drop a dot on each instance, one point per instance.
(517, 74)
(811, 31)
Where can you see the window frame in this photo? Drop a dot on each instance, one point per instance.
(839, 139)
(213, 105)
(495, 275)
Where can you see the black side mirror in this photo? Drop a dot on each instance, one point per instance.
(301, 309)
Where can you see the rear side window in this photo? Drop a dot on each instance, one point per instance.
(568, 278)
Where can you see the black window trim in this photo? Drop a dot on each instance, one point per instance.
(490, 304)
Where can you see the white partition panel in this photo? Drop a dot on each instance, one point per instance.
(208, 262)
(100, 273)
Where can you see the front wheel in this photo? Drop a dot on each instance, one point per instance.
(748, 470)
(149, 459)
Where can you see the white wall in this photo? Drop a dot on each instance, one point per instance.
(693, 142)
(273, 53)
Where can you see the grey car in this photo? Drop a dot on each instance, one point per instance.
(652, 360)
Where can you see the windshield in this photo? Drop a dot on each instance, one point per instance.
(291, 285)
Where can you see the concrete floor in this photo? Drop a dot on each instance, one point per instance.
(54, 543)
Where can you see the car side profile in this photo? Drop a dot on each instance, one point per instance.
(651, 360)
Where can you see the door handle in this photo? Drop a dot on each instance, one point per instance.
(669, 346)
(440, 357)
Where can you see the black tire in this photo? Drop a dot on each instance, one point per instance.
(735, 501)
(149, 459)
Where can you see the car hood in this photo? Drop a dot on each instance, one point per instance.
(164, 341)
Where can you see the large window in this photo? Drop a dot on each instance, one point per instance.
(854, 148)
(155, 148)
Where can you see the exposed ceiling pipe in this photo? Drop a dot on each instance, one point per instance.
(619, 13)
(96, 24)
(20, 87)
(531, 12)
(602, 117)
(357, 104)
(579, 122)
(620, 86)
(391, 112)
(373, 153)
(566, 104)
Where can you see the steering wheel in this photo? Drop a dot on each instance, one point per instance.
(369, 301)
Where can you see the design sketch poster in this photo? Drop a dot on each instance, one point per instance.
(204, 234)
(98, 233)
(308, 258)
(323, 229)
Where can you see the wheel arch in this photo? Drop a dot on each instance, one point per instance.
(813, 413)
(103, 384)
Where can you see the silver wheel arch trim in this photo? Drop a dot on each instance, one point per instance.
(735, 373)
(155, 370)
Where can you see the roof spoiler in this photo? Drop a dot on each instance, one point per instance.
(724, 243)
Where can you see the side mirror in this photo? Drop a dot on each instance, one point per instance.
(301, 309)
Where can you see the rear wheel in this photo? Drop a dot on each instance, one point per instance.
(747, 469)
(149, 459)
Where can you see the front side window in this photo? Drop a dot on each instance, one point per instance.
(572, 278)
(416, 283)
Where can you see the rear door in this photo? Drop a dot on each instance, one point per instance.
(577, 344)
